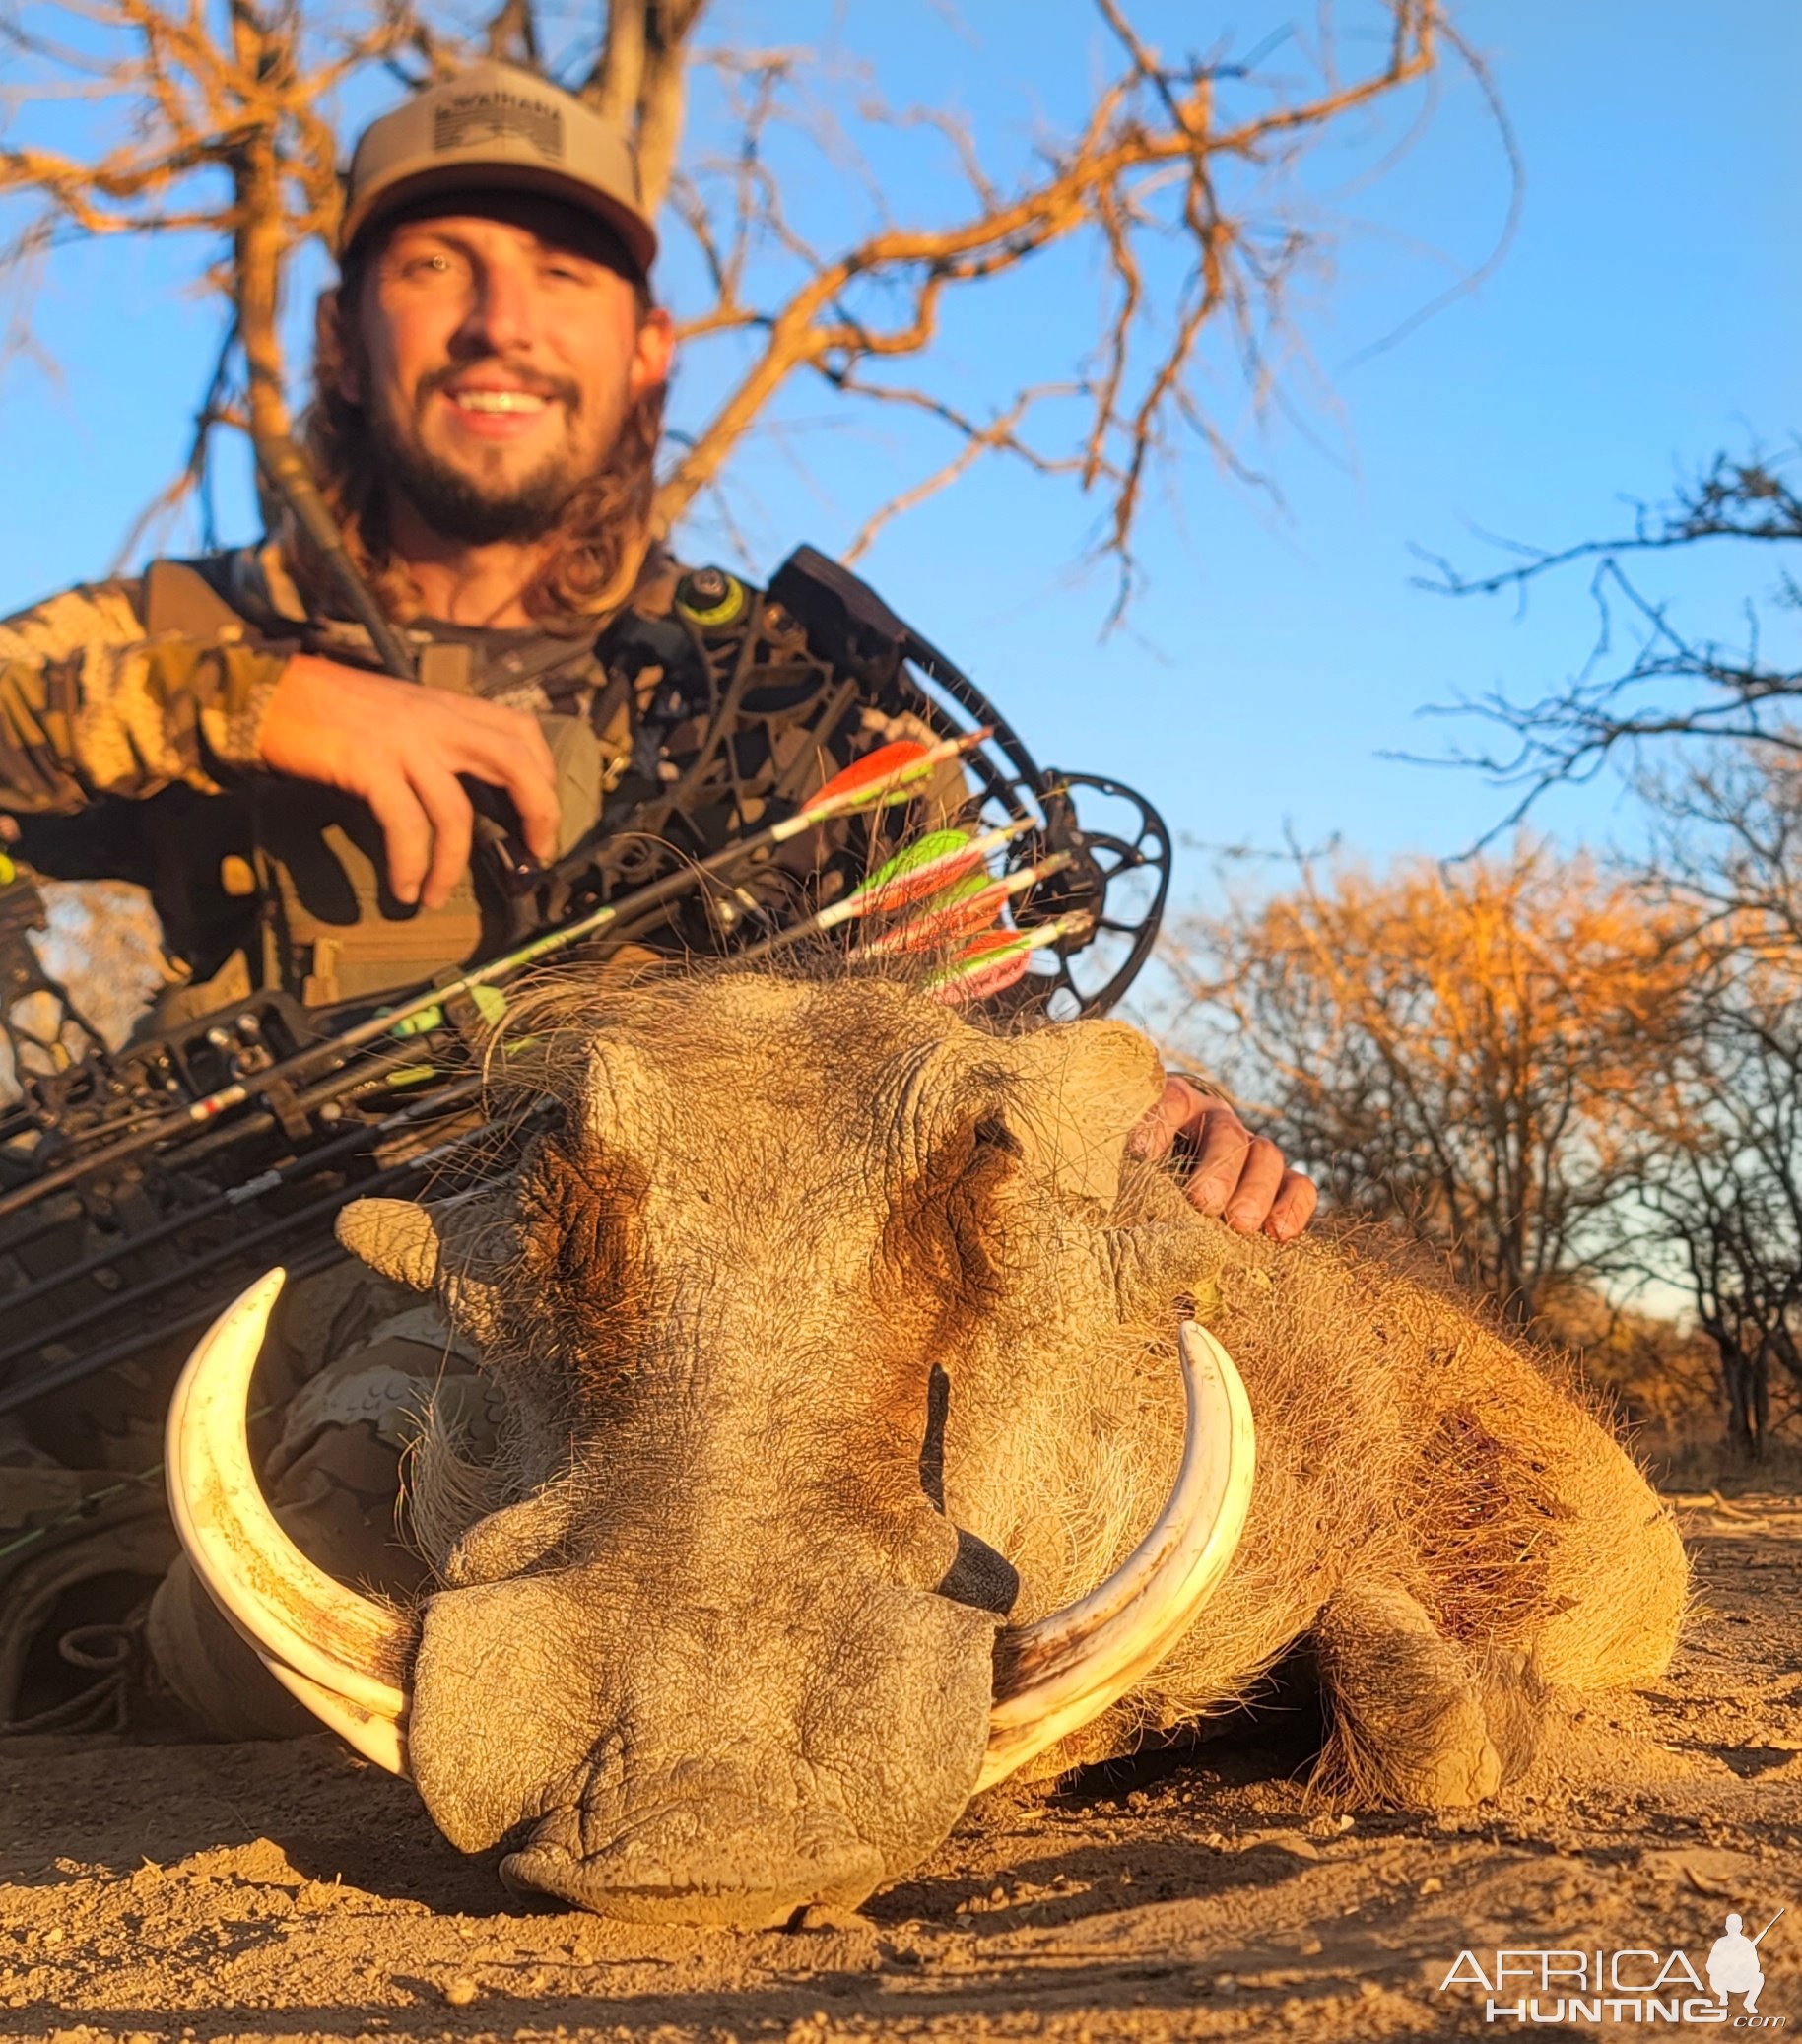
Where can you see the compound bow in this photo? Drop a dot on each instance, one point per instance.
(140, 1189)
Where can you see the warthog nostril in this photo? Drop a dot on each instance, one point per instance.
(717, 1860)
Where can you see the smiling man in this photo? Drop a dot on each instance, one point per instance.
(489, 391)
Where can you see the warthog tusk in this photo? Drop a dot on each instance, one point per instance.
(342, 1655)
(1063, 1671)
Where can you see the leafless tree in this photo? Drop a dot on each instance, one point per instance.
(1717, 1192)
(1710, 735)
(1667, 685)
(1179, 179)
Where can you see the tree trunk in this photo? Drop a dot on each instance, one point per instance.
(637, 83)
(258, 250)
(1746, 1386)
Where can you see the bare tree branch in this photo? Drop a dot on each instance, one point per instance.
(1143, 166)
(1672, 686)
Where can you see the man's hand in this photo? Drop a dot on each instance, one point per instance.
(400, 748)
(1233, 1172)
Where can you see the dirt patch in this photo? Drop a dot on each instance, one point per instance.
(278, 1892)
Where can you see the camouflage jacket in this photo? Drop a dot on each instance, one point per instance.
(125, 743)
(91, 705)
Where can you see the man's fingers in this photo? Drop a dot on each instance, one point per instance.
(400, 748)
(406, 832)
(513, 755)
(1294, 1209)
(1220, 1156)
(1260, 1179)
(534, 796)
(1233, 1173)
(1158, 1132)
(453, 821)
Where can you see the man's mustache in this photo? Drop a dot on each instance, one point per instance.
(561, 389)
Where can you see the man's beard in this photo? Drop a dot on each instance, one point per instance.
(464, 508)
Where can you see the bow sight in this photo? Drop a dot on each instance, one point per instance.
(141, 1189)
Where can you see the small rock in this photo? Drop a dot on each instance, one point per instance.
(54, 1935)
(461, 1992)
(1432, 1886)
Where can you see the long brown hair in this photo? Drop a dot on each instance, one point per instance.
(601, 538)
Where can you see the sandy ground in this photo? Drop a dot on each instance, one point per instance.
(288, 1893)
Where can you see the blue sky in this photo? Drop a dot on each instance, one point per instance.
(1645, 315)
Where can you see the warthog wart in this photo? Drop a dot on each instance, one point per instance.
(845, 1348)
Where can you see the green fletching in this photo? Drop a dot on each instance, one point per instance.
(937, 845)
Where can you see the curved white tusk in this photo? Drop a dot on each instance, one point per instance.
(1065, 1670)
(343, 1656)
(374, 1733)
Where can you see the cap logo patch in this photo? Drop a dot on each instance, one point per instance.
(497, 117)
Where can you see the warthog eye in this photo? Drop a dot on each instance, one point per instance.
(992, 1132)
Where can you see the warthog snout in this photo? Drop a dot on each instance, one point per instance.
(734, 1690)
(704, 1767)
(713, 1855)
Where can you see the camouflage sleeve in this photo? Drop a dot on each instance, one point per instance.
(91, 706)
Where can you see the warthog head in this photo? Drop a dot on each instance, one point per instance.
(785, 1310)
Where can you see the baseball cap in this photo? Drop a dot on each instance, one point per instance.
(495, 127)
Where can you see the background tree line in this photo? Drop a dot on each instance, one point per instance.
(1579, 1078)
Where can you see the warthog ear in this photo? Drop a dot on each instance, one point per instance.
(1092, 1083)
(455, 1249)
(396, 1237)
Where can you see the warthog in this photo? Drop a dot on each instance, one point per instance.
(847, 1351)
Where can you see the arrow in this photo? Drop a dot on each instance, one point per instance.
(935, 863)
